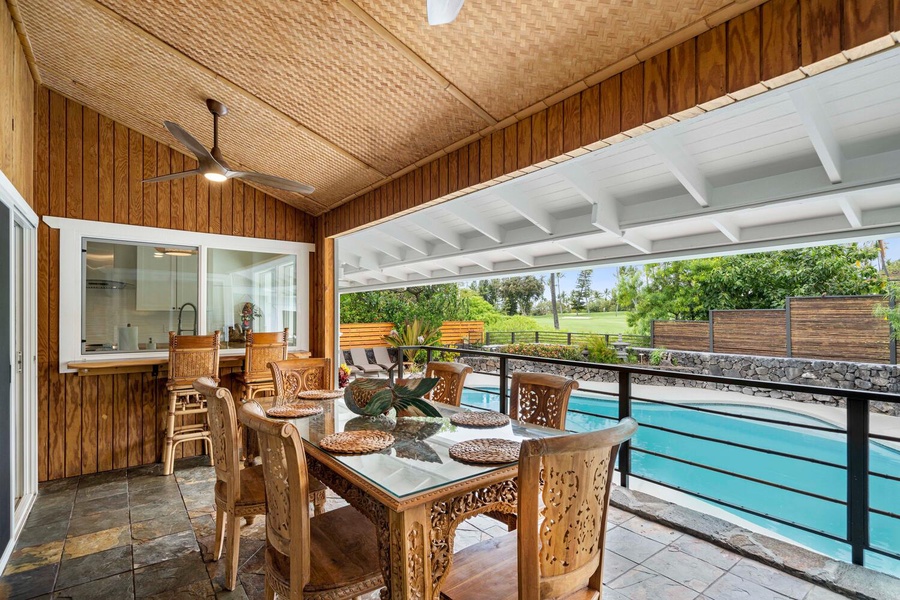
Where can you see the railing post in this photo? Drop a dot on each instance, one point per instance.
(537, 337)
(569, 338)
(487, 338)
(504, 390)
(857, 477)
(402, 355)
(624, 412)
(428, 354)
(606, 340)
(512, 337)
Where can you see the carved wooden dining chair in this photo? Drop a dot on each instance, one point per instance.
(238, 492)
(330, 556)
(291, 377)
(559, 545)
(452, 378)
(261, 349)
(190, 358)
(540, 398)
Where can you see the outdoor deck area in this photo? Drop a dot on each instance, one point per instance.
(134, 534)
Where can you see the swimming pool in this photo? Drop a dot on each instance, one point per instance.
(591, 412)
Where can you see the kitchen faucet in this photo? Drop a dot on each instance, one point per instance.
(181, 312)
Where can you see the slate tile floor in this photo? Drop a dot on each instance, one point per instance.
(134, 534)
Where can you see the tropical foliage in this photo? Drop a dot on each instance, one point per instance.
(560, 351)
(599, 352)
(432, 304)
(689, 289)
(413, 333)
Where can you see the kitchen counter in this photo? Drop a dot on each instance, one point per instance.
(154, 364)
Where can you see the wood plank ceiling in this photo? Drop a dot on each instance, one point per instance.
(331, 92)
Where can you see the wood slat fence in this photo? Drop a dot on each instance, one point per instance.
(368, 335)
(819, 327)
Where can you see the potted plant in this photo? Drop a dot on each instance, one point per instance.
(373, 397)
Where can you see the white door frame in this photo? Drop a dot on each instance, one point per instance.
(22, 214)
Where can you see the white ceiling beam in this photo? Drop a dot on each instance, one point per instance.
(349, 258)
(682, 165)
(528, 208)
(521, 255)
(420, 269)
(574, 248)
(851, 211)
(406, 238)
(358, 277)
(637, 241)
(375, 243)
(378, 276)
(604, 207)
(448, 236)
(481, 261)
(819, 130)
(449, 268)
(473, 217)
(728, 227)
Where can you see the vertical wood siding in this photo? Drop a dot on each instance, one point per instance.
(88, 167)
(764, 42)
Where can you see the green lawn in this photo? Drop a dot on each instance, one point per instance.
(609, 322)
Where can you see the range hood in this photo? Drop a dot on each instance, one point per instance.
(105, 284)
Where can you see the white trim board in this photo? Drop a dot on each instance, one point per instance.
(73, 231)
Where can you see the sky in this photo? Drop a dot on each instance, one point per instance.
(605, 277)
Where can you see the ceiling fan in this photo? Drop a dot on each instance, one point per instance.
(441, 12)
(213, 166)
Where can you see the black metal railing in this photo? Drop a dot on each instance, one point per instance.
(858, 438)
(561, 337)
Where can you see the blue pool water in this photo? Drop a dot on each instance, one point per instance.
(587, 413)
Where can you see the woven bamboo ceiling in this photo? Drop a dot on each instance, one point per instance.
(331, 92)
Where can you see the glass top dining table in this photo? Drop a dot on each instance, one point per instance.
(419, 459)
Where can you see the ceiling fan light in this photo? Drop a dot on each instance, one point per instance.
(217, 177)
(441, 12)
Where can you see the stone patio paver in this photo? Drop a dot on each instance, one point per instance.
(148, 536)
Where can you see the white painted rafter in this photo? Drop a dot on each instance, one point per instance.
(851, 211)
(473, 217)
(681, 165)
(819, 130)
(573, 247)
(481, 261)
(604, 207)
(410, 240)
(521, 255)
(528, 208)
(446, 235)
(637, 241)
(728, 227)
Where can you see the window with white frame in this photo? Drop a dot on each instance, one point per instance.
(139, 283)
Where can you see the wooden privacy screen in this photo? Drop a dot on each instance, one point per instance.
(88, 167)
(368, 335)
(762, 332)
(839, 328)
(681, 335)
(762, 48)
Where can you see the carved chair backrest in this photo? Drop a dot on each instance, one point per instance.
(540, 398)
(561, 541)
(261, 349)
(300, 374)
(452, 377)
(287, 488)
(223, 426)
(192, 357)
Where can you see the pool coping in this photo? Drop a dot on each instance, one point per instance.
(850, 580)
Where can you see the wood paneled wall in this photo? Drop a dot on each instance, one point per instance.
(762, 44)
(16, 108)
(839, 328)
(88, 167)
(761, 332)
(692, 336)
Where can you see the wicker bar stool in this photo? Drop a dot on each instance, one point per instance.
(261, 349)
(190, 358)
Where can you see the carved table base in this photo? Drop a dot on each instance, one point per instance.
(416, 545)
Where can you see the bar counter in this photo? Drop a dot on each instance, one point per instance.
(155, 365)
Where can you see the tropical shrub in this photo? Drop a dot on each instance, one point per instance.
(413, 333)
(657, 356)
(599, 352)
(560, 351)
(514, 323)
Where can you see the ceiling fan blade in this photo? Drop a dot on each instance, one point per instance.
(441, 12)
(273, 181)
(191, 143)
(172, 176)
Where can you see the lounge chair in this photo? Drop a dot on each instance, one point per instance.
(361, 362)
(383, 357)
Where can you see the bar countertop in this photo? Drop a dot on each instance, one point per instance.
(153, 364)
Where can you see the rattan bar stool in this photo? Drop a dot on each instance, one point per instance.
(190, 358)
(261, 349)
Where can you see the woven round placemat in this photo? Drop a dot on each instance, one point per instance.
(294, 411)
(479, 419)
(321, 394)
(486, 451)
(356, 442)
